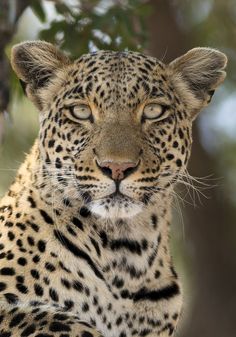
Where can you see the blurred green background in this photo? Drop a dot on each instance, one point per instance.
(203, 231)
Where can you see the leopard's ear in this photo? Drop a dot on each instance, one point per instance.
(196, 75)
(36, 64)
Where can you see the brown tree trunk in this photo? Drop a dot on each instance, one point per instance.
(209, 228)
(10, 11)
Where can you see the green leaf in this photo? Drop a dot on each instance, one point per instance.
(38, 10)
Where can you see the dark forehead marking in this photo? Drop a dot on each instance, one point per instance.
(112, 78)
(117, 69)
(105, 57)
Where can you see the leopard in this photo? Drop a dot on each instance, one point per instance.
(85, 226)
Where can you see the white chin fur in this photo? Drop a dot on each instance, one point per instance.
(117, 211)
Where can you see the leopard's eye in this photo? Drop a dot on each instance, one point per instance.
(155, 111)
(80, 111)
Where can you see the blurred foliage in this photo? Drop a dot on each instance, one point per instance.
(213, 23)
(22, 130)
(90, 25)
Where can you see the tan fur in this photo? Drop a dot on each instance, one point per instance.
(84, 252)
(32, 61)
(196, 73)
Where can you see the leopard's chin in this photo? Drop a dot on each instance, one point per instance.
(115, 208)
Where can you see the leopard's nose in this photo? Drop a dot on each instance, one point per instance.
(117, 170)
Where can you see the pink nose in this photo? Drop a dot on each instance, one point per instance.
(117, 171)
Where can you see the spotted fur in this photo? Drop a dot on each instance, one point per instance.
(82, 254)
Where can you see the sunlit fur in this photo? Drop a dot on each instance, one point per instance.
(77, 258)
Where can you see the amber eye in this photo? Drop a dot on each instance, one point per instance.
(155, 111)
(80, 111)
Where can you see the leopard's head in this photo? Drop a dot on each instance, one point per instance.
(115, 127)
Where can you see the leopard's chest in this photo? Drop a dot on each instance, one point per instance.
(118, 316)
(105, 299)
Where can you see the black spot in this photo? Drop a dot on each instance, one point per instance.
(9, 224)
(122, 334)
(17, 319)
(179, 162)
(125, 294)
(170, 156)
(154, 220)
(85, 307)
(118, 282)
(28, 331)
(53, 294)
(175, 144)
(173, 272)
(20, 279)
(7, 271)
(96, 246)
(78, 286)
(146, 198)
(59, 148)
(36, 259)
(78, 223)
(84, 212)
(181, 135)
(34, 226)
(11, 235)
(85, 195)
(38, 289)
(86, 334)
(22, 288)
(46, 217)
(5, 334)
(2, 286)
(157, 274)
(104, 238)
(88, 88)
(65, 283)
(60, 317)
(68, 304)
(35, 273)
(41, 246)
(40, 316)
(51, 143)
(144, 332)
(119, 320)
(11, 298)
(30, 240)
(1, 318)
(32, 202)
(67, 202)
(21, 226)
(50, 267)
(132, 245)
(59, 327)
(156, 295)
(22, 261)
(71, 230)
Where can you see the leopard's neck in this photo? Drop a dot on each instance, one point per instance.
(137, 246)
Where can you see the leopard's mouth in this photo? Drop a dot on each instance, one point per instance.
(115, 205)
(117, 195)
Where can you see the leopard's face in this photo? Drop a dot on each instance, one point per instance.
(115, 108)
(115, 127)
